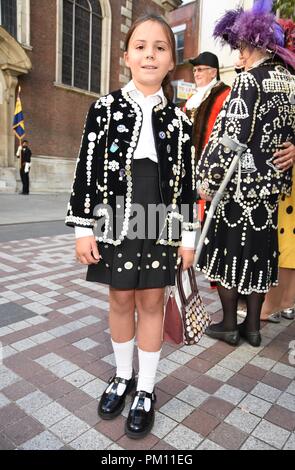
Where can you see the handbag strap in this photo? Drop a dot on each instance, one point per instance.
(180, 285)
(192, 280)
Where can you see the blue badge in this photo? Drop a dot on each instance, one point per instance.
(114, 147)
(122, 128)
(122, 173)
(162, 135)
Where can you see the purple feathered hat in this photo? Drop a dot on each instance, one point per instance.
(257, 27)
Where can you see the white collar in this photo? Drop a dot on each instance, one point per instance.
(130, 87)
(200, 95)
(259, 62)
(203, 89)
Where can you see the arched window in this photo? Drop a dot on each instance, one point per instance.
(8, 16)
(82, 44)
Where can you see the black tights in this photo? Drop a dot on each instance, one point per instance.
(254, 303)
(229, 300)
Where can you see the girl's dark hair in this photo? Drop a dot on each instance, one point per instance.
(166, 84)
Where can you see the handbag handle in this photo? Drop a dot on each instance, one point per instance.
(192, 279)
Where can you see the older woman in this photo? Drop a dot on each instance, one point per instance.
(241, 248)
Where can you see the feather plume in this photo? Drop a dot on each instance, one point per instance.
(261, 7)
(257, 27)
(259, 30)
(224, 27)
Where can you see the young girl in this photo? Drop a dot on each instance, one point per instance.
(136, 148)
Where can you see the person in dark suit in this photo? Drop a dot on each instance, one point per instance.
(25, 164)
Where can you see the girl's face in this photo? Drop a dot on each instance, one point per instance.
(149, 56)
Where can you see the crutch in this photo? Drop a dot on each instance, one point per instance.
(239, 149)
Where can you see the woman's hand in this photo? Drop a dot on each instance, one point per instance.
(204, 196)
(87, 251)
(285, 158)
(187, 255)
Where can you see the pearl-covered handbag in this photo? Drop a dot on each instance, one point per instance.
(185, 318)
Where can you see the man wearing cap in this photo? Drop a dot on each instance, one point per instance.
(204, 106)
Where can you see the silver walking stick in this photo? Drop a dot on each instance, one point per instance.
(239, 149)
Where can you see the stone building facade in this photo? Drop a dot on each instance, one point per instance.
(185, 24)
(64, 54)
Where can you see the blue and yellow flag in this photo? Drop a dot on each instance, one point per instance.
(18, 120)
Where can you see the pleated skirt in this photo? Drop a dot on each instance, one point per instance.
(138, 263)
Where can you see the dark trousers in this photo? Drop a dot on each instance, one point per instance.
(25, 180)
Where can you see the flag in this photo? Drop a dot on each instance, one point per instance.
(18, 120)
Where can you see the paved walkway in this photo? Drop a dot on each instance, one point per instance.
(17, 208)
(57, 358)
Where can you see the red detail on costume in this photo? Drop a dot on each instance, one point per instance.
(216, 108)
(201, 210)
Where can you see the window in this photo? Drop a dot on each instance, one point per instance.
(8, 16)
(179, 38)
(81, 44)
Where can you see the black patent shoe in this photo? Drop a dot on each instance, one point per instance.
(252, 337)
(140, 422)
(230, 337)
(111, 404)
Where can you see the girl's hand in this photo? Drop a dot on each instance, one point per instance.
(285, 158)
(87, 251)
(187, 255)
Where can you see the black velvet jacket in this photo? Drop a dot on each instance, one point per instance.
(104, 166)
(259, 113)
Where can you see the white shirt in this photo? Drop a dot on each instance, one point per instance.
(146, 142)
(145, 147)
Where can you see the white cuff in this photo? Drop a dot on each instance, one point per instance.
(27, 167)
(188, 239)
(83, 232)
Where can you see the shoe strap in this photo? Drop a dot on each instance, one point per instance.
(143, 394)
(114, 383)
(119, 380)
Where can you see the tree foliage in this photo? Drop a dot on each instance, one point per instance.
(286, 8)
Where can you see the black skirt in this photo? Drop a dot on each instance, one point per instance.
(241, 247)
(138, 263)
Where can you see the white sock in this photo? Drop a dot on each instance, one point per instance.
(124, 358)
(148, 365)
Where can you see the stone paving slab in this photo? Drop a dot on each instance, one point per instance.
(57, 357)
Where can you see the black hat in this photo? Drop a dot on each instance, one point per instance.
(209, 59)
